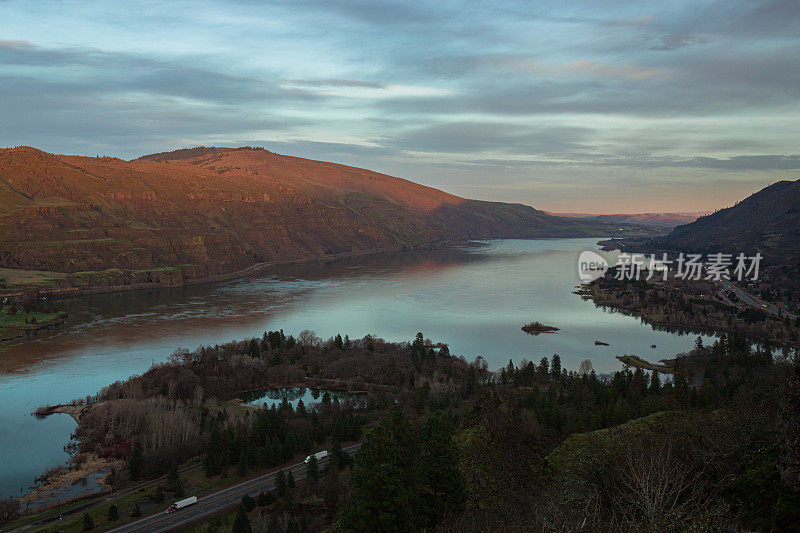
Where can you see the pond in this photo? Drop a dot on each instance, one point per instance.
(293, 396)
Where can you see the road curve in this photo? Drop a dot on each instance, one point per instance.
(217, 502)
(751, 300)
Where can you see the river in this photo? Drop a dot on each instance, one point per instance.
(474, 298)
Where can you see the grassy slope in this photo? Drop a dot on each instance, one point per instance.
(212, 211)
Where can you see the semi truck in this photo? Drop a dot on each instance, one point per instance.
(319, 455)
(177, 506)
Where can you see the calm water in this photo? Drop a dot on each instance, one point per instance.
(311, 397)
(475, 299)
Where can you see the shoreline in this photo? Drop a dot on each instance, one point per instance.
(22, 332)
(74, 292)
(37, 499)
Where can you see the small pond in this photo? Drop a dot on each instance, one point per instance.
(292, 396)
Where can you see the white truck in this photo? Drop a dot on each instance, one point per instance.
(319, 455)
(177, 506)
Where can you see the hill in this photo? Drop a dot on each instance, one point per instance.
(661, 220)
(767, 222)
(204, 211)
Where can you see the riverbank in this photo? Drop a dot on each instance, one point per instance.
(18, 325)
(687, 307)
(84, 476)
(173, 281)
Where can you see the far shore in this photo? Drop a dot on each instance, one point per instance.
(72, 292)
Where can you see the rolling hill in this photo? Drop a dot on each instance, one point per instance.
(204, 211)
(661, 220)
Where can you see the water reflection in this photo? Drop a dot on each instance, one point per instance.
(292, 396)
(475, 299)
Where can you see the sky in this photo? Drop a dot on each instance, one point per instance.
(569, 106)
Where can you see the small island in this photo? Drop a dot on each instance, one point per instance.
(535, 328)
(601, 343)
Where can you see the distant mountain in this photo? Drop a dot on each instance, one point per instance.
(662, 220)
(215, 210)
(767, 222)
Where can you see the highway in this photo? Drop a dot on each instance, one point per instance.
(217, 502)
(749, 299)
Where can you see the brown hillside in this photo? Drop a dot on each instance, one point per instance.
(215, 210)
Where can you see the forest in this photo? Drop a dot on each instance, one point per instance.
(449, 445)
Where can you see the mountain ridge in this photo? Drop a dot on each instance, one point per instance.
(208, 211)
(767, 222)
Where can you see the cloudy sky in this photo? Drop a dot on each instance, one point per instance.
(567, 106)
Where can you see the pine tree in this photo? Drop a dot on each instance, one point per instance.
(280, 483)
(384, 495)
(113, 513)
(655, 383)
(241, 523)
(248, 503)
(88, 523)
(544, 369)
(312, 470)
(135, 462)
(442, 486)
(555, 367)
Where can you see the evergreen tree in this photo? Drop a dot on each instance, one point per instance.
(655, 383)
(555, 367)
(441, 483)
(113, 513)
(248, 503)
(174, 480)
(241, 523)
(290, 480)
(135, 462)
(280, 484)
(384, 494)
(544, 369)
(312, 470)
(88, 523)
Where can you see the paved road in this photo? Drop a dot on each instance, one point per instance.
(749, 299)
(217, 502)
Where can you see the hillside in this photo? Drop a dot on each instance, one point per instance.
(767, 222)
(204, 211)
(661, 220)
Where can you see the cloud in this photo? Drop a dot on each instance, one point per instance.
(673, 41)
(337, 82)
(736, 163)
(470, 137)
(15, 45)
(453, 94)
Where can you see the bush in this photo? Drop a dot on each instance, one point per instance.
(113, 513)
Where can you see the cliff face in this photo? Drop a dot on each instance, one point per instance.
(215, 210)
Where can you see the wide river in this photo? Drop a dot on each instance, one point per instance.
(473, 298)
